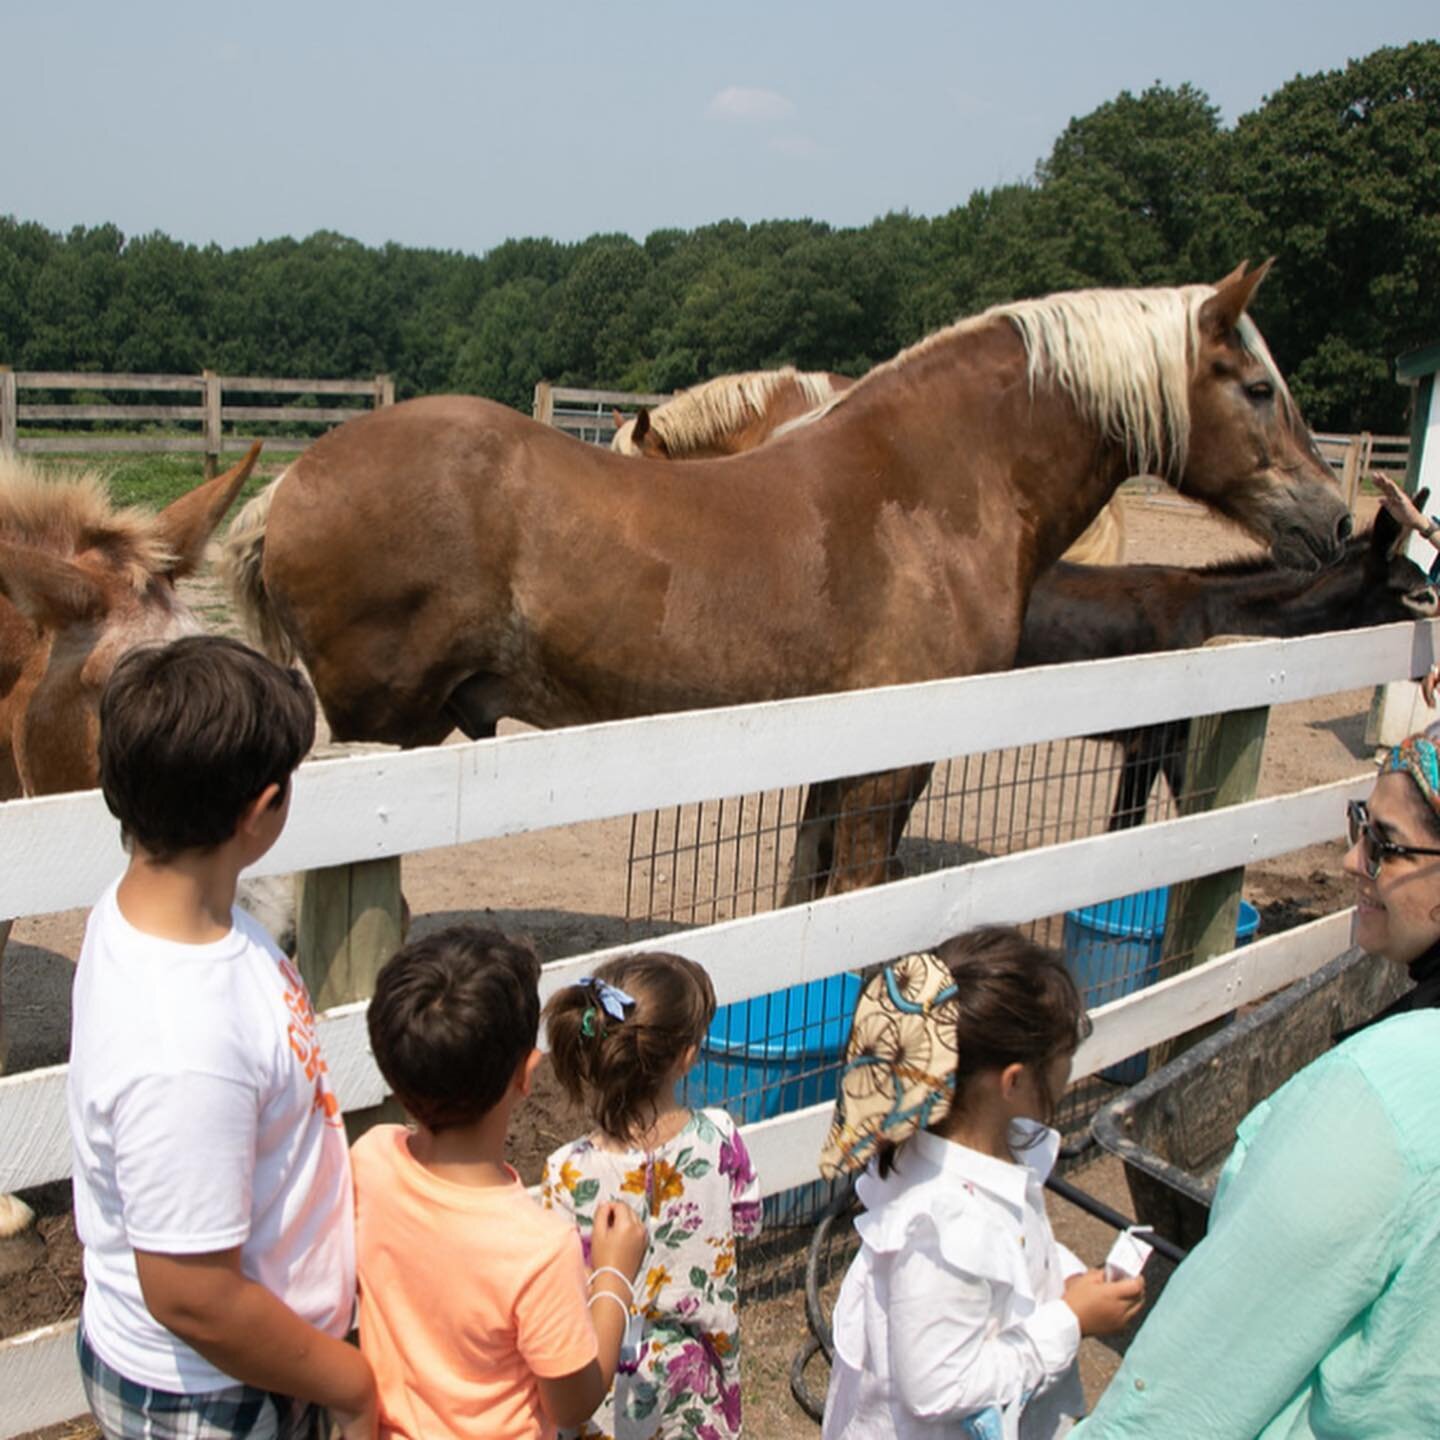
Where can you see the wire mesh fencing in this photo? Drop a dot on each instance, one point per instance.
(713, 861)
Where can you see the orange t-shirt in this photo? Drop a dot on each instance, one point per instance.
(466, 1296)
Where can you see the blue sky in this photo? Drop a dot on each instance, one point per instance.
(460, 125)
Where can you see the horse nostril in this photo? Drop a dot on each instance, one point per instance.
(1344, 526)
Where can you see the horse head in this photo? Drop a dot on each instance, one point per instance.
(1249, 454)
(635, 435)
(68, 613)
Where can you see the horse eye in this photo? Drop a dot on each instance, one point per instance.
(1260, 390)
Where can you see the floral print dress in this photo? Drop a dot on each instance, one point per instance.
(699, 1194)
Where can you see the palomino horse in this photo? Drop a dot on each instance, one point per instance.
(80, 584)
(726, 415)
(734, 413)
(448, 561)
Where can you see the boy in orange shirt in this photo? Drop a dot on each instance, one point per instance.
(476, 1310)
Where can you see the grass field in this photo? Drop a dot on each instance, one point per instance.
(155, 480)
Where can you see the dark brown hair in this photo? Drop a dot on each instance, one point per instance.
(191, 732)
(616, 1071)
(453, 1016)
(1015, 1003)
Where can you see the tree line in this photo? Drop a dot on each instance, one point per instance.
(1336, 174)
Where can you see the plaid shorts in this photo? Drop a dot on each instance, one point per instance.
(127, 1411)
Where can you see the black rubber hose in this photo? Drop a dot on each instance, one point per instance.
(798, 1388)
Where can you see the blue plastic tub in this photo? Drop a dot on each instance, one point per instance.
(1114, 949)
(776, 1052)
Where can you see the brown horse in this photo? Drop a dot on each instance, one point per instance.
(447, 561)
(80, 584)
(734, 413)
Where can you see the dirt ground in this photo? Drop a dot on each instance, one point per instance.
(567, 890)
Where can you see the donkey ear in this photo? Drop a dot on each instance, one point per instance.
(1222, 311)
(186, 524)
(47, 590)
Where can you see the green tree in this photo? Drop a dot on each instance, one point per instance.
(1124, 190)
(1338, 176)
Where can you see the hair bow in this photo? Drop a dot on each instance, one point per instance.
(611, 998)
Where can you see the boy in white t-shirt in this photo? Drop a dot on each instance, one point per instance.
(212, 1185)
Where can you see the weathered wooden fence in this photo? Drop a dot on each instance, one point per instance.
(586, 414)
(207, 410)
(1353, 457)
(369, 810)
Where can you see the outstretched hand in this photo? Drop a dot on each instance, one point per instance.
(1398, 503)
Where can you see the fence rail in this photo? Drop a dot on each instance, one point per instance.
(209, 412)
(62, 851)
(586, 414)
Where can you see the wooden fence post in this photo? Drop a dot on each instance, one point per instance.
(1350, 473)
(212, 424)
(543, 408)
(7, 411)
(1224, 769)
(384, 391)
(347, 925)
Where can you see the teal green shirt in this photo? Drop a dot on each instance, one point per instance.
(1312, 1306)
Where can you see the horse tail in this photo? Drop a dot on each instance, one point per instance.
(242, 562)
(1103, 541)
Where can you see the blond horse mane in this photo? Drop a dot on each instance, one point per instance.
(705, 413)
(1124, 357)
(69, 515)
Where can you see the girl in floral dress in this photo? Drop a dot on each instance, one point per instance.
(621, 1041)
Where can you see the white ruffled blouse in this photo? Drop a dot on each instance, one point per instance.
(950, 1321)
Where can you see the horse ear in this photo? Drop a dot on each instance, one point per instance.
(618, 415)
(187, 524)
(1238, 273)
(47, 590)
(1222, 311)
(642, 425)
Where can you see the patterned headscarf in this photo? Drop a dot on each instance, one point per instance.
(1418, 756)
(899, 1073)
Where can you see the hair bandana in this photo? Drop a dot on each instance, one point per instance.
(1418, 757)
(899, 1070)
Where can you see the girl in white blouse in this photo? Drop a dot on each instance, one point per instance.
(961, 1316)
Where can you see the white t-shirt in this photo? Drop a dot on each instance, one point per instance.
(201, 1119)
(950, 1321)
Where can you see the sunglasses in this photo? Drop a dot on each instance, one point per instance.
(1374, 848)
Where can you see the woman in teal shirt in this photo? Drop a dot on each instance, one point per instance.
(1312, 1307)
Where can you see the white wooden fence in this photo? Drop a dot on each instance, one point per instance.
(61, 852)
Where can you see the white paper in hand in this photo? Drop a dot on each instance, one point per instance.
(1128, 1254)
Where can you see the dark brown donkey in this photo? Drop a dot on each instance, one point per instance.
(447, 561)
(1080, 612)
(1101, 612)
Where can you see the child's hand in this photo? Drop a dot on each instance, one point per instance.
(1104, 1306)
(1398, 503)
(618, 1238)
